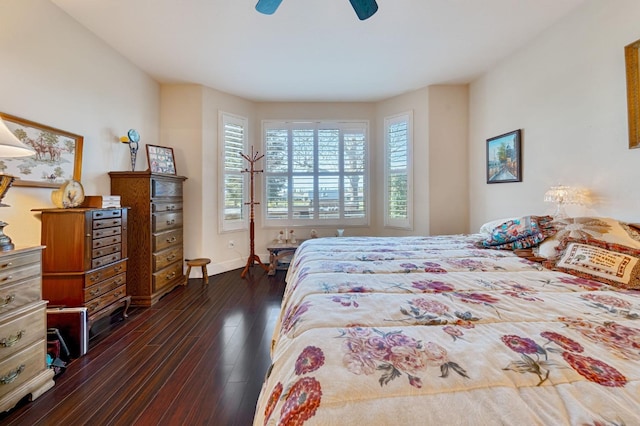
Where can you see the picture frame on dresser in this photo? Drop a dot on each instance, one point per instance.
(161, 159)
(58, 155)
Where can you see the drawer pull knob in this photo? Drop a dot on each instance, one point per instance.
(9, 378)
(95, 277)
(95, 292)
(7, 278)
(8, 299)
(171, 275)
(118, 268)
(7, 342)
(6, 265)
(171, 222)
(169, 258)
(171, 240)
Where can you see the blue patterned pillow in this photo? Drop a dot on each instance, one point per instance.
(520, 233)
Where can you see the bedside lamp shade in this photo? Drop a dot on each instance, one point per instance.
(561, 195)
(10, 147)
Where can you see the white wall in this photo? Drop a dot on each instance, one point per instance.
(448, 201)
(189, 124)
(56, 73)
(566, 90)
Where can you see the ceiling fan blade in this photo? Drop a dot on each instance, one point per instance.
(364, 8)
(268, 7)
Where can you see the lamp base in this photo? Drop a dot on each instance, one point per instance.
(560, 212)
(5, 241)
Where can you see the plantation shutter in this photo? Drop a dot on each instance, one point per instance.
(398, 171)
(234, 140)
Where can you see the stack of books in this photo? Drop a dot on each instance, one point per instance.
(102, 201)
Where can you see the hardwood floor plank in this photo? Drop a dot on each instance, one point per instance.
(198, 356)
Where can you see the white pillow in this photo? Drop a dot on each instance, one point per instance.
(488, 227)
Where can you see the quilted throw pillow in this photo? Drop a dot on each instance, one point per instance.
(520, 233)
(600, 261)
(600, 228)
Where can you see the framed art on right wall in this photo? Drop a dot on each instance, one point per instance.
(504, 161)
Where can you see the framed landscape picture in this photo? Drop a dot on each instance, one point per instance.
(57, 158)
(504, 163)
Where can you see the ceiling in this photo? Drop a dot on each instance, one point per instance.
(316, 50)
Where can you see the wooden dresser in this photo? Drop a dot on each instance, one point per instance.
(155, 233)
(85, 259)
(23, 328)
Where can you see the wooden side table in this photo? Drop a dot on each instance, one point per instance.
(278, 252)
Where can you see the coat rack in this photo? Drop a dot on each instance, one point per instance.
(253, 257)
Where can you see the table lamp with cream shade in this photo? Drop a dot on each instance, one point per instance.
(10, 147)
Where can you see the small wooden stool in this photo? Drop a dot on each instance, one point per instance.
(201, 261)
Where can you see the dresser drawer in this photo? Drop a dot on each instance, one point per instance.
(106, 250)
(21, 327)
(105, 260)
(10, 262)
(94, 277)
(167, 239)
(106, 213)
(106, 299)
(22, 367)
(167, 276)
(166, 188)
(105, 286)
(106, 234)
(107, 223)
(165, 207)
(166, 257)
(106, 241)
(165, 221)
(19, 273)
(16, 294)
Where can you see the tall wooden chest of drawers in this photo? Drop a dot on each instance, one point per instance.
(23, 328)
(85, 259)
(155, 233)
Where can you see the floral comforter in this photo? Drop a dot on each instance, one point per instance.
(433, 330)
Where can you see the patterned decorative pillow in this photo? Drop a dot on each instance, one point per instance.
(600, 228)
(520, 233)
(598, 260)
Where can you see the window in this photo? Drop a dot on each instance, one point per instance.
(233, 134)
(398, 193)
(315, 173)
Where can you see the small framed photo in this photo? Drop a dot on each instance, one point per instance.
(57, 158)
(161, 159)
(504, 161)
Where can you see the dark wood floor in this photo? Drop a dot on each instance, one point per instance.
(197, 357)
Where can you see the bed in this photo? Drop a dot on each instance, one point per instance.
(442, 330)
